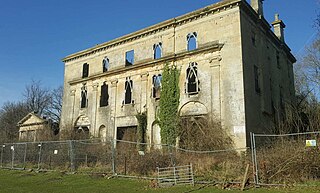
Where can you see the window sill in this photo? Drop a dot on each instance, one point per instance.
(128, 105)
(193, 94)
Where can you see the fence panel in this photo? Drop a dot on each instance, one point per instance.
(289, 158)
(122, 158)
(7, 156)
(93, 155)
(54, 156)
(177, 175)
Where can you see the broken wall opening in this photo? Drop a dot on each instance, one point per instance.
(202, 133)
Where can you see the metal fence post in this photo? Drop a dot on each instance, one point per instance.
(25, 156)
(12, 158)
(72, 155)
(2, 150)
(39, 158)
(255, 159)
(175, 175)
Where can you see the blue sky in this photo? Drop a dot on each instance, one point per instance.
(36, 34)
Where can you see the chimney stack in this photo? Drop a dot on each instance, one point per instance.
(278, 27)
(257, 5)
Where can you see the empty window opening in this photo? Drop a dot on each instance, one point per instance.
(256, 79)
(129, 58)
(282, 104)
(128, 91)
(192, 41)
(85, 70)
(127, 134)
(105, 64)
(157, 49)
(156, 83)
(104, 97)
(253, 39)
(192, 81)
(278, 60)
(84, 99)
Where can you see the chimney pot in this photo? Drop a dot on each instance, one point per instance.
(257, 5)
(278, 27)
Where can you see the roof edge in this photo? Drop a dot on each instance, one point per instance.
(211, 9)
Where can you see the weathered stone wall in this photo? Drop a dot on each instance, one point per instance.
(261, 48)
(224, 60)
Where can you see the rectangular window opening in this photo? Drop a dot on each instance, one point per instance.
(129, 58)
(256, 80)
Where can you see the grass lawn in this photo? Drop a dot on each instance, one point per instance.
(25, 182)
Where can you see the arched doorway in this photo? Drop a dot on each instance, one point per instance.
(156, 137)
(103, 133)
(82, 127)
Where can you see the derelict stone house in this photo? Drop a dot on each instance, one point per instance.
(32, 127)
(233, 67)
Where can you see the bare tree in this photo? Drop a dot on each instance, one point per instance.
(54, 109)
(37, 97)
(10, 114)
(307, 70)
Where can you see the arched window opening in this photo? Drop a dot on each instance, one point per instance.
(156, 84)
(85, 70)
(192, 41)
(192, 81)
(157, 50)
(128, 91)
(105, 64)
(84, 99)
(104, 96)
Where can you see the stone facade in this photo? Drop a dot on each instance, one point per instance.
(233, 67)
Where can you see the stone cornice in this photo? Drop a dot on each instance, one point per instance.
(181, 20)
(142, 64)
(33, 124)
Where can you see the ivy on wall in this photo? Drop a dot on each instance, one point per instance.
(169, 103)
(142, 128)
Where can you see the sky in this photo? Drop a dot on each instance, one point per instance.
(36, 34)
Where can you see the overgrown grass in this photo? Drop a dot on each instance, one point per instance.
(25, 182)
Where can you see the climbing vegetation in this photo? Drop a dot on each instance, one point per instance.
(169, 103)
(142, 128)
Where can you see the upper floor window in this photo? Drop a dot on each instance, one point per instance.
(253, 38)
(256, 79)
(156, 86)
(278, 60)
(84, 98)
(192, 41)
(104, 97)
(128, 91)
(192, 81)
(129, 58)
(105, 64)
(85, 70)
(157, 51)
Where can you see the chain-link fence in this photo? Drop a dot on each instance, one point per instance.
(286, 159)
(82, 155)
(122, 158)
(276, 159)
(132, 159)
